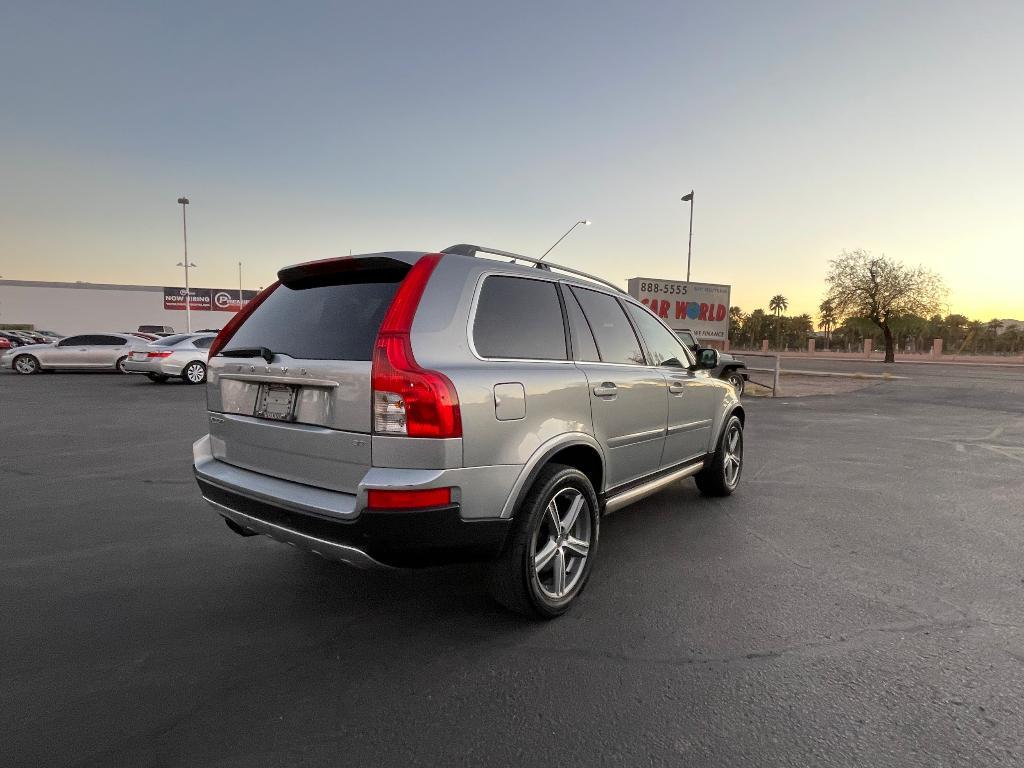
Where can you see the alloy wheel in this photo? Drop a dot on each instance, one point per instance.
(25, 364)
(561, 544)
(737, 382)
(195, 373)
(733, 455)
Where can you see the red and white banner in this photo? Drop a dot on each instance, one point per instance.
(699, 307)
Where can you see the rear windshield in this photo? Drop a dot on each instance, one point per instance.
(338, 320)
(170, 341)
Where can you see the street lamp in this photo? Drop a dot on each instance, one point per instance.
(584, 222)
(183, 201)
(689, 246)
(239, 285)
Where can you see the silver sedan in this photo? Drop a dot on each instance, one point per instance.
(96, 351)
(181, 356)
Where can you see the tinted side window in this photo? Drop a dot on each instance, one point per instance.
(74, 341)
(615, 338)
(108, 341)
(170, 341)
(519, 318)
(203, 343)
(585, 348)
(662, 344)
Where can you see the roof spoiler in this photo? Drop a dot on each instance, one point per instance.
(347, 269)
(465, 249)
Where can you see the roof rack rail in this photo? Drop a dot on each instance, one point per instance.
(465, 249)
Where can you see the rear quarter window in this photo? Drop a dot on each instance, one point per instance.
(519, 318)
(170, 341)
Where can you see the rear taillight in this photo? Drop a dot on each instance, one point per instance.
(409, 400)
(240, 317)
(419, 498)
(159, 354)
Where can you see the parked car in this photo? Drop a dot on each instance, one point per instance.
(85, 351)
(182, 355)
(158, 330)
(5, 344)
(409, 409)
(150, 337)
(727, 367)
(25, 337)
(14, 339)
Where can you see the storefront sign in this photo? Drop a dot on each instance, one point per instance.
(700, 307)
(207, 299)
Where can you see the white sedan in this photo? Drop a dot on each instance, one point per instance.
(95, 351)
(181, 356)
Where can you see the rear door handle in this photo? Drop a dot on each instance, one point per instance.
(606, 389)
(676, 388)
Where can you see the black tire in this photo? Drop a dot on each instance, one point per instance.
(119, 365)
(194, 373)
(514, 582)
(718, 479)
(157, 378)
(25, 364)
(735, 378)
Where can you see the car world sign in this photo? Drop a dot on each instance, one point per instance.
(208, 299)
(700, 307)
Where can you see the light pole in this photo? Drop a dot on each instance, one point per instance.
(584, 222)
(689, 245)
(239, 285)
(188, 294)
(183, 201)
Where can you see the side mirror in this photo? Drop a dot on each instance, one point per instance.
(707, 358)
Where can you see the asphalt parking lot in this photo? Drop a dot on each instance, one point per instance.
(857, 602)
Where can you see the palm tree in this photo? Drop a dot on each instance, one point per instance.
(993, 326)
(776, 305)
(735, 325)
(754, 327)
(973, 332)
(956, 324)
(827, 314)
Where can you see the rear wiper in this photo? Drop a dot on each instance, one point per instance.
(263, 352)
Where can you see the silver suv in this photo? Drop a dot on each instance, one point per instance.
(408, 409)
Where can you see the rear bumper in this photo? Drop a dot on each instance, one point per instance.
(146, 366)
(329, 524)
(397, 539)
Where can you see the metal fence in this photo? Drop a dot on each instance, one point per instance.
(774, 371)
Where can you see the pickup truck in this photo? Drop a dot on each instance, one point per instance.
(729, 368)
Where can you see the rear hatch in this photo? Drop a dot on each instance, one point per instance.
(292, 386)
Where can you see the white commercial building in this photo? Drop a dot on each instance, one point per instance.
(68, 308)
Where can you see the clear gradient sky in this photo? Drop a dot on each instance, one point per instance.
(301, 130)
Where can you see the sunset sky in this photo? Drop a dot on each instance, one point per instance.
(300, 131)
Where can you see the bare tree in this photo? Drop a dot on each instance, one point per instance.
(880, 289)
